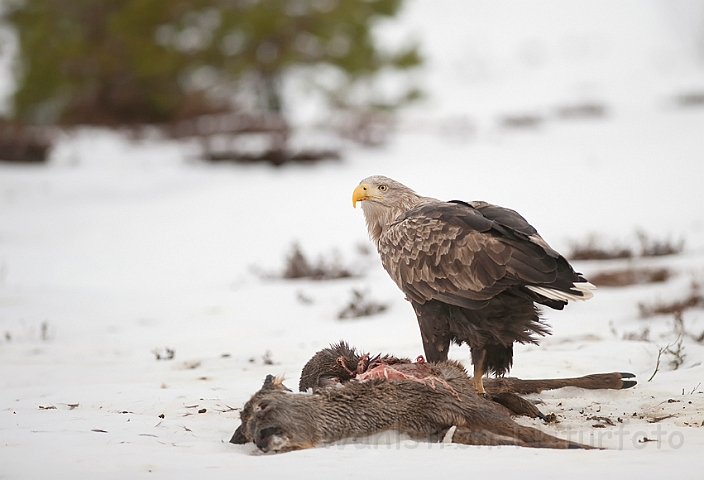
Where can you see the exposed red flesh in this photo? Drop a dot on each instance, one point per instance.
(419, 372)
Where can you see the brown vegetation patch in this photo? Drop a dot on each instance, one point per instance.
(521, 121)
(361, 306)
(299, 266)
(630, 276)
(23, 144)
(274, 157)
(596, 248)
(581, 110)
(641, 336)
(690, 99)
(694, 299)
(653, 247)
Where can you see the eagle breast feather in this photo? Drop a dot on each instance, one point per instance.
(430, 252)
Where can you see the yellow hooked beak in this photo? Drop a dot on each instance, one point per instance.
(361, 193)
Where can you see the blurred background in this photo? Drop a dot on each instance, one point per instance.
(201, 68)
(293, 80)
(222, 132)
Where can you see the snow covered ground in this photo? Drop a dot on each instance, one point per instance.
(116, 250)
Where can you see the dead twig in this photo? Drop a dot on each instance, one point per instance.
(267, 358)
(677, 353)
(658, 419)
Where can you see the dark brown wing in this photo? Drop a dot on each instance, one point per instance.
(512, 220)
(452, 252)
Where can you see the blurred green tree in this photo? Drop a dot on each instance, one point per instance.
(112, 62)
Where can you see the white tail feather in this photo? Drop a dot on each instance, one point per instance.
(585, 288)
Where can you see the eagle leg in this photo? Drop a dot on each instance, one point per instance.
(479, 370)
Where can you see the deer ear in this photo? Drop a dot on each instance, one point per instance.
(274, 382)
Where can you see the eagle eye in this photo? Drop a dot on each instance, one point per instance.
(383, 188)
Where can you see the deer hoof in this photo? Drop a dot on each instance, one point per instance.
(627, 383)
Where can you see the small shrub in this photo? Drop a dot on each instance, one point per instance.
(361, 306)
(650, 247)
(30, 332)
(675, 350)
(165, 354)
(642, 336)
(298, 266)
(267, 358)
(690, 99)
(521, 121)
(581, 110)
(594, 249)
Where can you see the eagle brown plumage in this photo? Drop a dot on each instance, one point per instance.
(473, 271)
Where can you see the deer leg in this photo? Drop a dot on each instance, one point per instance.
(613, 380)
(518, 405)
(530, 437)
(471, 436)
(511, 434)
(533, 437)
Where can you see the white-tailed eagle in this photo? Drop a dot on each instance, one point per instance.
(473, 271)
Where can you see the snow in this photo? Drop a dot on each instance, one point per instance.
(118, 248)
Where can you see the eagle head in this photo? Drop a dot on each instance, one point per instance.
(383, 200)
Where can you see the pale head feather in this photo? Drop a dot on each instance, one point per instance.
(391, 200)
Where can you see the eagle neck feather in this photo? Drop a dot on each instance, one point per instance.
(380, 215)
